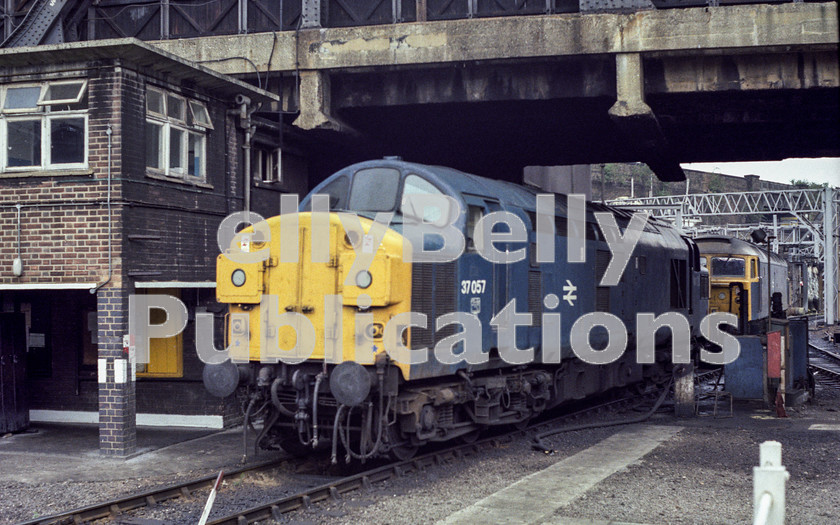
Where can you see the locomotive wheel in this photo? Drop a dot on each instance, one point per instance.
(400, 452)
(522, 425)
(470, 437)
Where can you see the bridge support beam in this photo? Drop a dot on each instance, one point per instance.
(636, 120)
(315, 103)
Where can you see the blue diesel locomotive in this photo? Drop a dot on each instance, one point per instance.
(348, 390)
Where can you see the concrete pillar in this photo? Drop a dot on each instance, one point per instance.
(315, 104)
(314, 100)
(636, 120)
(830, 255)
(117, 408)
(630, 88)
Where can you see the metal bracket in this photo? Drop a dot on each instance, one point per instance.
(310, 14)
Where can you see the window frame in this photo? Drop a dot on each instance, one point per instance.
(271, 156)
(46, 132)
(179, 123)
(4, 92)
(45, 89)
(196, 121)
(43, 112)
(45, 160)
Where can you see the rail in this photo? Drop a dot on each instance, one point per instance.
(111, 508)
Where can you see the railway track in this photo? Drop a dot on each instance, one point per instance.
(364, 480)
(114, 507)
(825, 364)
(333, 489)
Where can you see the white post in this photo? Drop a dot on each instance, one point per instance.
(769, 480)
(830, 257)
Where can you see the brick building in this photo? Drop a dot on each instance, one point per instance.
(118, 163)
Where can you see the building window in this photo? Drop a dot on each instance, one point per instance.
(266, 164)
(176, 139)
(166, 355)
(43, 126)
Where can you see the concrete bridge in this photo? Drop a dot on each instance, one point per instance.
(729, 83)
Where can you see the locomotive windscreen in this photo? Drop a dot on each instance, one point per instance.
(728, 267)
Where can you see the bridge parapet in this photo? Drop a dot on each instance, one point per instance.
(743, 29)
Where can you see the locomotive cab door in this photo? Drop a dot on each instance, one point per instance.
(484, 285)
(14, 407)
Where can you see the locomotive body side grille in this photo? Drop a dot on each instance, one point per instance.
(535, 297)
(602, 293)
(432, 293)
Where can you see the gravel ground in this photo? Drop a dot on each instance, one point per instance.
(701, 476)
(438, 491)
(238, 493)
(27, 501)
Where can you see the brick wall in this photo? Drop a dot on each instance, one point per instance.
(64, 220)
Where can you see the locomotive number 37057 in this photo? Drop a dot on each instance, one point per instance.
(473, 286)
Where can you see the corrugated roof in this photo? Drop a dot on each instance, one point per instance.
(135, 52)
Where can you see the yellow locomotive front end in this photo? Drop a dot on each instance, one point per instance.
(310, 296)
(314, 302)
(732, 279)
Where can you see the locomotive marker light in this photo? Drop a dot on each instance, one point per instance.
(365, 246)
(238, 277)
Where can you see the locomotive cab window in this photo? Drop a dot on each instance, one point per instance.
(337, 192)
(728, 267)
(415, 185)
(374, 189)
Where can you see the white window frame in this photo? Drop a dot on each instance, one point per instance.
(196, 122)
(75, 100)
(46, 152)
(17, 111)
(275, 164)
(44, 114)
(168, 124)
(163, 102)
(181, 119)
